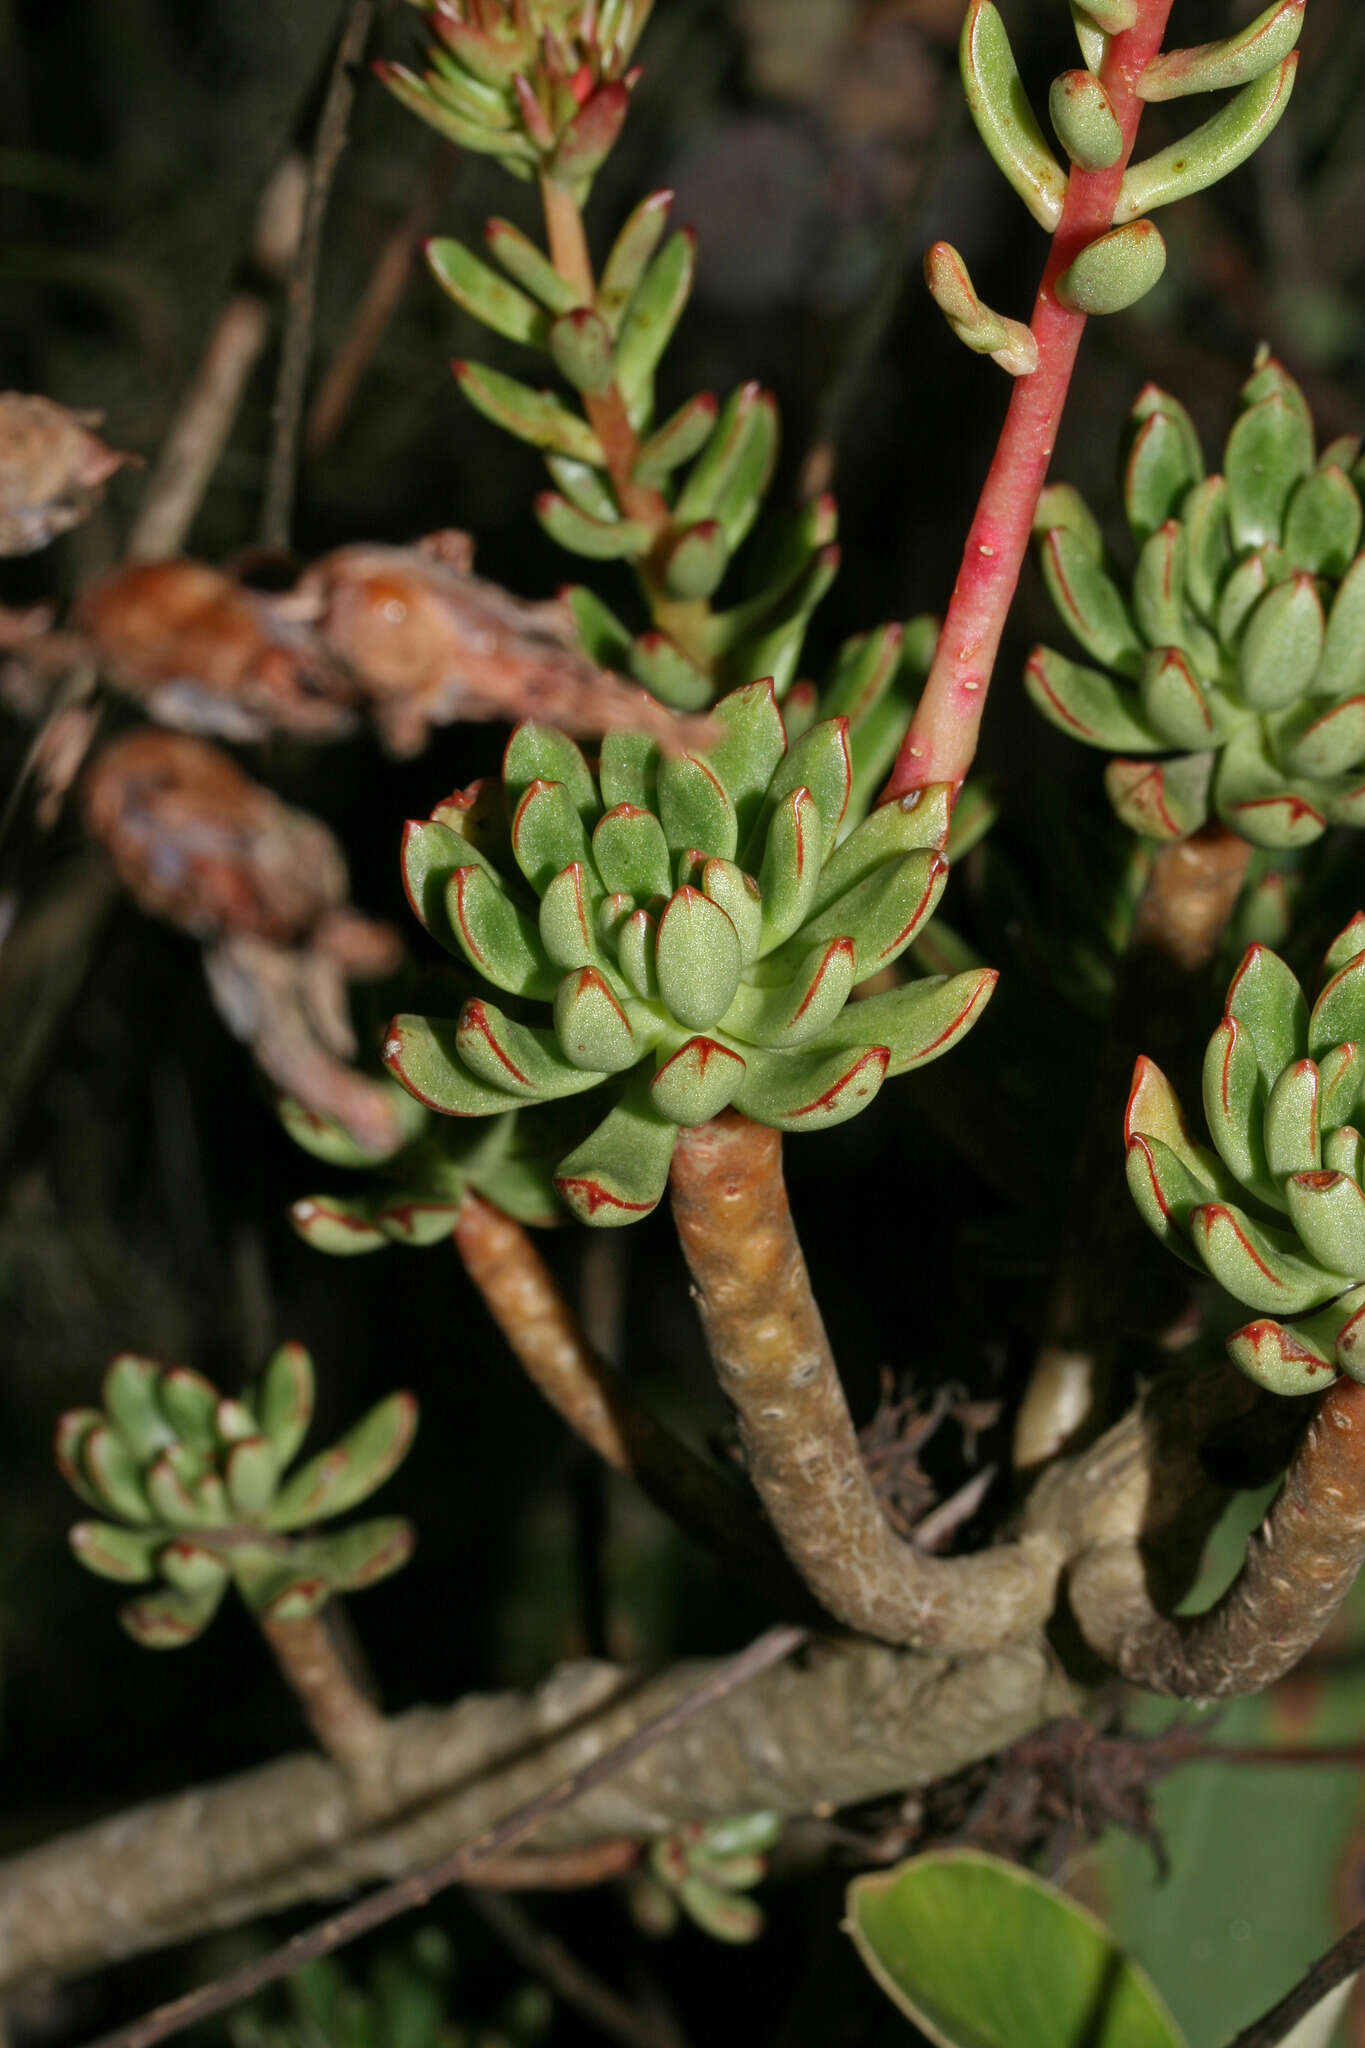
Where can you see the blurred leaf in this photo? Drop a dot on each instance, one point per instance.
(982, 1954)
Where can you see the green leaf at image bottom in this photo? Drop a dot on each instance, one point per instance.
(982, 1954)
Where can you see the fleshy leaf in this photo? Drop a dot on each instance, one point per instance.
(1166, 801)
(1211, 151)
(1090, 706)
(918, 1022)
(799, 1091)
(353, 1469)
(534, 416)
(167, 1620)
(497, 937)
(698, 959)
(1259, 1266)
(698, 1082)
(1328, 1211)
(483, 293)
(284, 1400)
(1004, 120)
(1089, 601)
(423, 1053)
(128, 1555)
(1236, 60)
(130, 1396)
(1279, 1359)
(592, 1027)
(620, 1172)
(795, 1012)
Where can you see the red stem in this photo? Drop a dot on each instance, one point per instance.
(941, 742)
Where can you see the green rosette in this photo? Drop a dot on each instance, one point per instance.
(674, 934)
(1226, 672)
(1275, 1209)
(199, 1495)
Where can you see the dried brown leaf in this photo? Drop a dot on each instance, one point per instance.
(53, 468)
(430, 643)
(198, 842)
(200, 652)
(289, 1005)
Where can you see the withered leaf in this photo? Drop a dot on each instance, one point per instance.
(289, 1005)
(53, 468)
(429, 643)
(198, 842)
(203, 653)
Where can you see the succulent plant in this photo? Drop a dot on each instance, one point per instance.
(543, 85)
(705, 1871)
(197, 1483)
(424, 1181)
(696, 482)
(697, 924)
(1238, 651)
(1277, 1212)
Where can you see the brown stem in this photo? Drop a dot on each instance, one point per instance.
(1299, 1567)
(281, 473)
(773, 1360)
(559, 1870)
(326, 1936)
(347, 1725)
(1190, 896)
(525, 1302)
(1342, 1960)
(527, 1306)
(853, 1721)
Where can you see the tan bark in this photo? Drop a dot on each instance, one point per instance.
(1299, 1567)
(773, 1360)
(855, 1721)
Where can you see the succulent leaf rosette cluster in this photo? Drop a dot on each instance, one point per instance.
(202, 1497)
(414, 1196)
(1276, 1213)
(543, 85)
(694, 924)
(1237, 650)
(706, 1871)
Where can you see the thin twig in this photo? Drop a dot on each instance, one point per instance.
(190, 453)
(560, 1870)
(373, 311)
(461, 1865)
(773, 1360)
(549, 1959)
(1341, 1961)
(278, 503)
